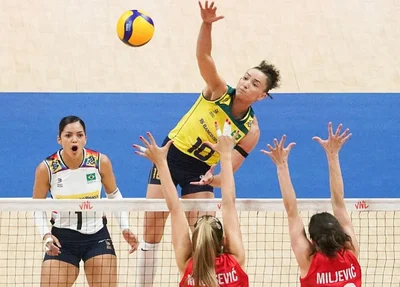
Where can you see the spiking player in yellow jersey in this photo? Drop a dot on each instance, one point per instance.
(190, 161)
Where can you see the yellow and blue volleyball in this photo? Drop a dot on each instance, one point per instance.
(135, 28)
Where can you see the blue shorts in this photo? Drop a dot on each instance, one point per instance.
(77, 246)
(184, 169)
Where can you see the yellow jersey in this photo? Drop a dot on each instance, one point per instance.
(198, 126)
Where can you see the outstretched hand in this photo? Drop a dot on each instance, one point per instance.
(279, 154)
(226, 141)
(207, 178)
(209, 13)
(151, 150)
(335, 141)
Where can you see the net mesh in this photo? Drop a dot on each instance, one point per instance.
(270, 261)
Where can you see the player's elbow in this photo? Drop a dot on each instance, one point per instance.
(204, 61)
(200, 54)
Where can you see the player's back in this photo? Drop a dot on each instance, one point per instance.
(341, 271)
(228, 271)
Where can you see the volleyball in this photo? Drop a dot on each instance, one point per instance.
(135, 28)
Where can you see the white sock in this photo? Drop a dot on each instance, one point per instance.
(146, 264)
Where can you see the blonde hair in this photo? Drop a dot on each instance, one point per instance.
(207, 245)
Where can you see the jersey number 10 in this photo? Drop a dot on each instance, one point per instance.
(198, 148)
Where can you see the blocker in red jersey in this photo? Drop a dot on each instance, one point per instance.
(329, 257)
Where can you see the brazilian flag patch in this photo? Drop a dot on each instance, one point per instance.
(90, 177)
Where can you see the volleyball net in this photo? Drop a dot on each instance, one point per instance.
(270, 261)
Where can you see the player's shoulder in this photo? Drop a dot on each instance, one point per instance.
(254, 122)
(54, 163)
(250, 140)
(228, 93)
(229, 257)
(224, 93)
(42, 168)
(254, 130)
(55, 155)
(91, 152)
(92, 158)
(104, 159)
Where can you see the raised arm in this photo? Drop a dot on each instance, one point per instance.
(216, 86)
(300, 244)
(180, 229)
(233, 234)
(332, 146)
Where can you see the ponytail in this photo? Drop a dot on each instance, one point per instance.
(206, 247)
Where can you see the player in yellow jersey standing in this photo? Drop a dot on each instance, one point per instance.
(192, 162)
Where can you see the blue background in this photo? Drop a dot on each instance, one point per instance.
(370, 160)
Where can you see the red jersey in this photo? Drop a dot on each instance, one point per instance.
(341, 271)
(229, 273)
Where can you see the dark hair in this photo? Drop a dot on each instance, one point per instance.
(327, 234)
(207, 245)
(69, 120)
(272, 74)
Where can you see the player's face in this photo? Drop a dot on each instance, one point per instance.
(73, 139)
(251, 87)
